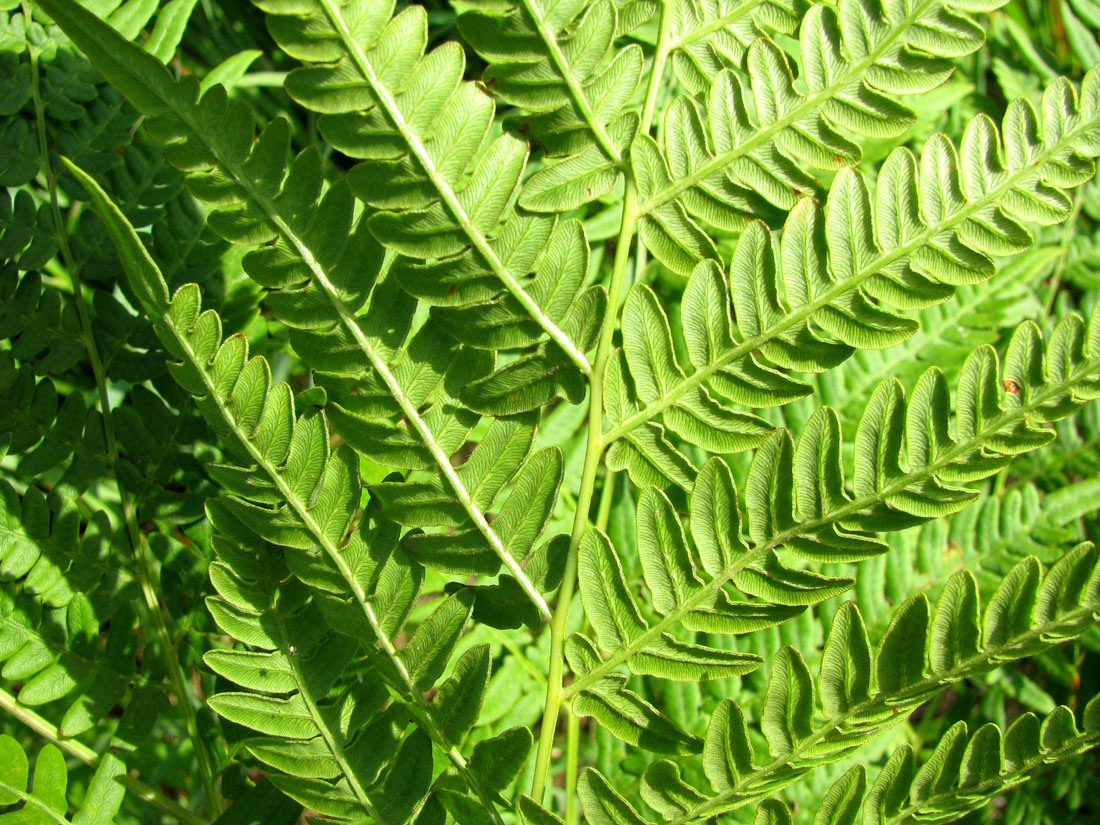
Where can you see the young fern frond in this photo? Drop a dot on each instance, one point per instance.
(864, 690)
(795, 497)
(842, 267)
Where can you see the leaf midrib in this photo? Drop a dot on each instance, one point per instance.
(709, 589)
(803, 313)
(573, 83)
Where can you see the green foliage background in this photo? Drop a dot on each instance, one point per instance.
(476, 412)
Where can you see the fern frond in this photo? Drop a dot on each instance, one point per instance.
(423, 135)
(288, 675)
(796, 498)
(864, 690)
(724, 160)
(314, 253)
(303, 498)
(842, 267)
(60, 588)
(43, 800)
(960, 775)
(47, 430)
(28, 238)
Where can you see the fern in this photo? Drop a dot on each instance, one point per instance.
(528, 412)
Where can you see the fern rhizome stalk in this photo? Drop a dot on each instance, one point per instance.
(530, 358)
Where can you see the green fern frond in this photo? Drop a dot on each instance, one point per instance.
(297, 495)
(709, 35)
(40, 325)
(978, 314)
(29, 237)
(725, 159)
(442, 185)
(863, 690)
(48, 430)
(306, 252)
(557, 64)
(60, 588)
(841, 269)
(961, 775)
(796, 498)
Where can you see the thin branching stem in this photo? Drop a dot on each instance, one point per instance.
(594, 445)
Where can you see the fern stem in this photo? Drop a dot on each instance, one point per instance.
(138, 544)
(707, 591)
(660, 57)
(592, 456)
(446, 193)
(875, 266)
(595, 444)
(876, 704)
(78, 750)
(572, 752)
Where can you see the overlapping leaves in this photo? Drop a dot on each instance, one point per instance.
(739, 148)
(796, 501)
(293, 496)
(395, 382)
(828, 289)
(861, 689)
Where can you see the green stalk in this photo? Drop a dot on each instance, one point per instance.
(593, 453)
(160, 630)
(572, 751)
(594, 447)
